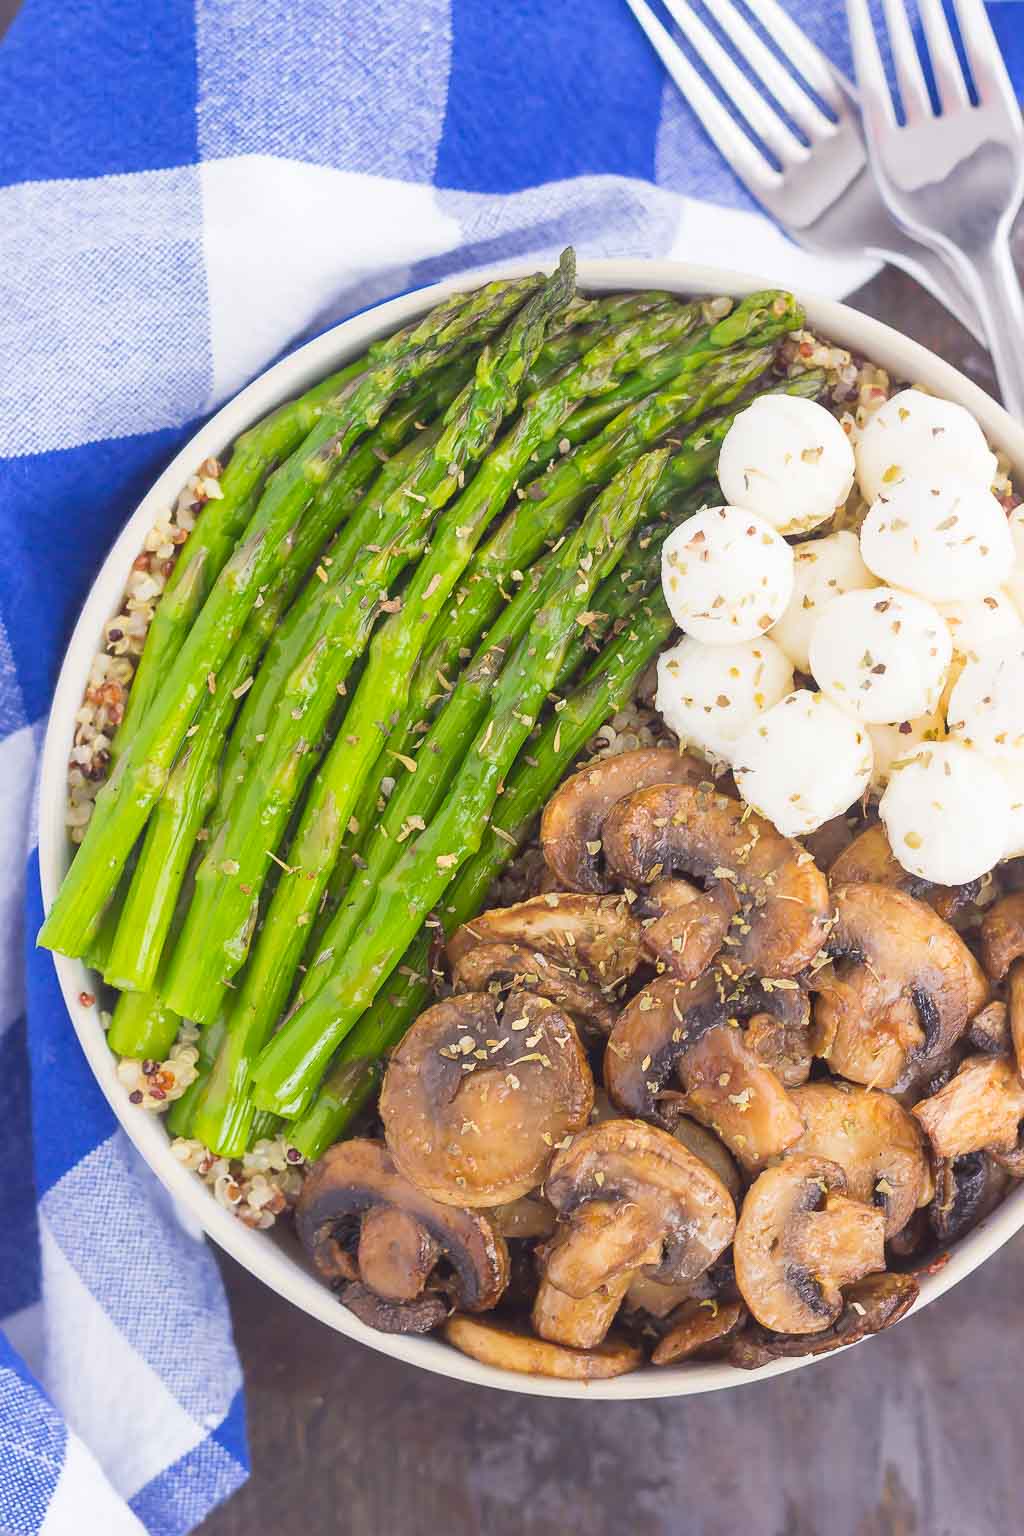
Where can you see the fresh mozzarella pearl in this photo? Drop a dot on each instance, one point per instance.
(709, 694)
(945, 541)
(947, 813)
(895, 744)
(822, 569)
(882, 655)
(787, 459)
(986, 707)
(727, 575)
(1012, 772)
(916, 435)
(802, 762)
(979, 621)
(1015, 581)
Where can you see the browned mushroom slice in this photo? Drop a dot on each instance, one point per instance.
(875, 1142)
(689, 926)
(696, 1325)
(1002, 935)
(799, 1240)
(694, 830)
(499, 967)
(982, 1106)
(706, 1145)
(967, 1189)
(529, 1216)
(648, 1187)
(378, 1239)
(827, 842)
(874, 1303)
(903, 984)
(1015, 1013)
(596, 938)
(781, 1038)
(478, 1094)
(989, 1030)
(683, 1027)
(870, 859)
(583, 1321)
(570, 829)
(514, 1349)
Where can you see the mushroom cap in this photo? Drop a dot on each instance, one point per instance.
(680, 1201)
(799, 1240)
(696, 1138)
(683, 1027)
(509, 1348)
(693, 830)
(355, 1193)
(875, 1142)
(595, 937)
(500, 967)
(982, 1106)
(575, 814)
(476, 1096)
(1002, 934)
(695, 1326)
(903, 983)
(874, 1303)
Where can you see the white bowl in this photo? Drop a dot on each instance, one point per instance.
(276, 1259)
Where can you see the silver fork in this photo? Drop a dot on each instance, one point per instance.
(824, 196)
(954, 180)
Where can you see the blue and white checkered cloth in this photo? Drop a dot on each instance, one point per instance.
(188, 188)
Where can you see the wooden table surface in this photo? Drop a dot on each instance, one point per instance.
(911, 1434)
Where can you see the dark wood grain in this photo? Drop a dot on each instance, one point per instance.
(911, 1434)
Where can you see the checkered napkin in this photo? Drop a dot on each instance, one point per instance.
(188, 188)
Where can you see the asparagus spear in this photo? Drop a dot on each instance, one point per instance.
(217, 930)
(254, 454)
(124, 804)
(289, 1069)
(144, 918)
(142, 1027)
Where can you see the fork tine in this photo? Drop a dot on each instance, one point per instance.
(875, 100)
(949, 77)
(906, 62)
(985, 57)
(771, 73)
(732, 143)
(765, 122)
(816, 68)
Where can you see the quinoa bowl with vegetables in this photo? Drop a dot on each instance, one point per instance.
(529, 827)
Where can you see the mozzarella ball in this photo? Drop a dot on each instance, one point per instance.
(822, 569)
(915, 435)
(789, 460)
(1011, 770)
(894, 745)
(986, 707)
(1015, 580)
(709, 694)
(802, 762)
(975, 624)
(882, 655)
(727, 575)
(947, 813)
(946, 541)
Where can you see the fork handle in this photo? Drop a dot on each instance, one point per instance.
(992, 278)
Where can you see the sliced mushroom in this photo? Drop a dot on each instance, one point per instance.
(688, 926)
(378, 1239)
(1002, 935)
(528, 1217)
(870, 859)
(875, 1142)
(596, 938)
(982, 1106)
(684, 1027)
(477, 1095)
(827, 842)
(500, 967)
(514, 1349)
(695, 830)
(570, 829)
(706, 1145)
(871, 1304)
(989, 1030)
(799, 1240)
(781, 1040)
(583, 1321)
(697, 1325)
(903, 984)
(967, 1189)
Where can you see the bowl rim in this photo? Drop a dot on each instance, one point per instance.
(265, 1255)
